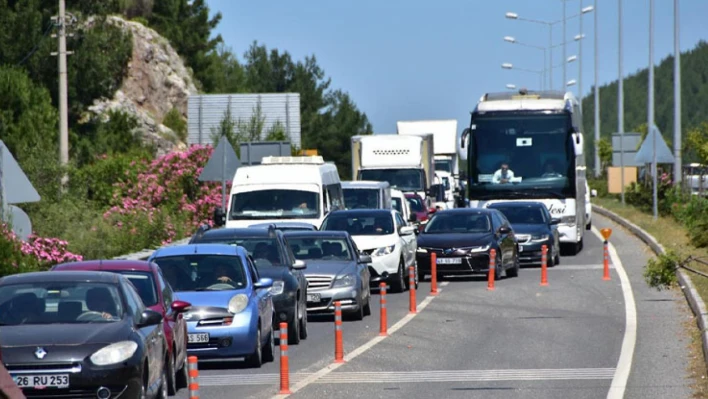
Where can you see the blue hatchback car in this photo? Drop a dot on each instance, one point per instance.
(232, 312)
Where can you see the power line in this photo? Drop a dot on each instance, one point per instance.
(50, 25)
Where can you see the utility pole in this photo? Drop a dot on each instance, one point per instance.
(650, 119)
(580, 56)
(677, 97)
(620, 96)
(61, 23)
(596, 89)
(565, 59)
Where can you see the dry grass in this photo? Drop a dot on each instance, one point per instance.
(673, 237)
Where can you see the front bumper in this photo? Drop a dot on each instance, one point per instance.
(385, 265)
(476, 263)
(85, 379)
(530, 253)
(569, 233)
(348, 297)
(237, 339)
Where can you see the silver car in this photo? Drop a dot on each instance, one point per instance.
(336, 271)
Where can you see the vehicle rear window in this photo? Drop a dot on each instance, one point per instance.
(360, 225)
(144, 284)
(197, 272)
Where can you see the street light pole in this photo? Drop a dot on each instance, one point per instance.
(580, 55)
(598, 166)
(650, 119)
(620, 96)
(550, 56)
(677, 97)
(564, 33)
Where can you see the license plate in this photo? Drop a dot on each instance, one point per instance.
(42, 381)
(201, 338)
(313, 297)
(449, 261)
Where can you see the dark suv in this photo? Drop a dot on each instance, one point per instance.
(273, 258)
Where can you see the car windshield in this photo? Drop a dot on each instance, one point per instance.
(60, 302)
(445, 223)
(144, 284)
(326, 248)
(275, 204)
(443, 165)
(264, 250)
(197, 272)
(416, 204)
(360, 225)
(361, 198)
(403, 179)
(396, 203)
(522, 214)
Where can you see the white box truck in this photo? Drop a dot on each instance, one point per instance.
(405, 162)
(444, 133)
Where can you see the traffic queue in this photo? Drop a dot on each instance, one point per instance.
(289, 246)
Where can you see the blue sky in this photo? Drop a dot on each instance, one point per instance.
(404, 60)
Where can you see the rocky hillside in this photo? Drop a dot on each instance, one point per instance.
(156, 82)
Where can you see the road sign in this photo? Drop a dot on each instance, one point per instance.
(221, 166)
(606, 233)
(11, 175)
(20, 222)
(645, 154)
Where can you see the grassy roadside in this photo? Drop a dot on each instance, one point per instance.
(673, 236)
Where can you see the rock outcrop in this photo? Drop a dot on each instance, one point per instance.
(157, 81)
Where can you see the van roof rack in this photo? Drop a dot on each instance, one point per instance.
(301, 160)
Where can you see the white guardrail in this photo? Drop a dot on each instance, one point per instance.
(145, 253)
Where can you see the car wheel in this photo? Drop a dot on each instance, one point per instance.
(367, 307)
(498, 268)
(143, 389)
(303, 325)
(256, 358)
(163, 386)
(588, 226)
(558, 257)
(514, 271)
(399, 283)
(294, 327)
(183, 375)
(269, 350)
(171, 380)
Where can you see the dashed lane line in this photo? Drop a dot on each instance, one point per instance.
(624, 364)
(361, 349)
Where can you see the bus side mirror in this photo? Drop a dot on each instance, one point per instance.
(578, 143)
(465, 133)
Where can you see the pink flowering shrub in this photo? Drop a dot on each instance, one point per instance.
(164, 200)
(36, 254)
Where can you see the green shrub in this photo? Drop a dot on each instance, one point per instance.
(176, 122)
(660, 272)
(141, 20)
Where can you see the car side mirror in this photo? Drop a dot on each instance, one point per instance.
(504, 230)
(593, 193)
(364, 258)
(405, 230)
(299, 264)
(219, 217)
(263, 282)
(555, 221)
(180, 306)
(150, 318)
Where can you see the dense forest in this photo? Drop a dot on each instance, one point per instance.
(103, 152)
(694, 96)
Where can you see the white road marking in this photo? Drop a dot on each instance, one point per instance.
(624, 364)
(599, 266)
(363, 348)
(392, 377)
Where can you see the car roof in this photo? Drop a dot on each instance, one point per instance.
(236, 232)
(67, 276)
(107, 265)
(317, 234)
(362, 212)
(463, 211)
(282, 224)
(200, 249)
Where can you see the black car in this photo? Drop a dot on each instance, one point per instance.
(81, 334)
(533, 227)
(462, 239)
(336, 271)
(273, 259)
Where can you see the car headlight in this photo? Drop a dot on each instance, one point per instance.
(347, 280)
(277, 287)
(568, 219)
(539, 237)
(481, 248)
(114, 353)
(421, 250)
(238, 303)
(384, 250)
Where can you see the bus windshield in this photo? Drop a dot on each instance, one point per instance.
(403, 179)
(275, 204)
(521, 155)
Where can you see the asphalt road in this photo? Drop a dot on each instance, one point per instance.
(563, 340)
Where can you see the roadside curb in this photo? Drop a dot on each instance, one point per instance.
(694, 300)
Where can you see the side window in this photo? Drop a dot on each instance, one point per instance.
(334, 191)
(252, 269)
(289, 251)
(496, 222)
(399, 220)
(133, 302)
(166, 290)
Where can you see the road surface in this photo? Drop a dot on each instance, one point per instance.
(578, 337)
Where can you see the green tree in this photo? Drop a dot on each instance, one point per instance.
(174, 120)
(697, 143)
(605, 149)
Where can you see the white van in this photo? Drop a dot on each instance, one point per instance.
(366, 194)
(294, 189)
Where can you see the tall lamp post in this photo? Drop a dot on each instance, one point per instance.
(508, 65)
(620, 96)
(677, 97)
(650, 113)
(596, 97)
(511, 39)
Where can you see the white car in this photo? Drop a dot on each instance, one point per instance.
(400, 203)
(386, 236)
